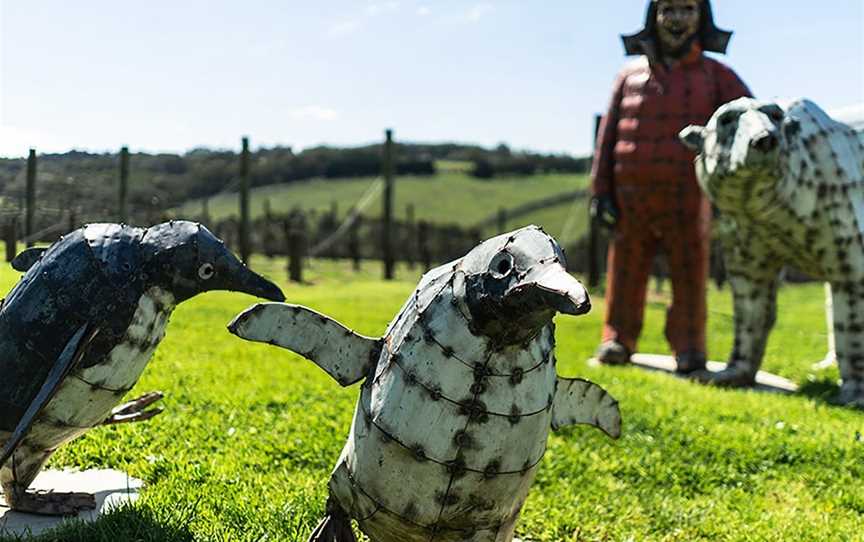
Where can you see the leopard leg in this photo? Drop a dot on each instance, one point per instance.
(755, 308)
(849, 343)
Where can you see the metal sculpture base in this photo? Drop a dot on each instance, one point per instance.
(110, 487)
(765, 382)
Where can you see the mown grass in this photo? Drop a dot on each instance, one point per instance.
(451, 197)
(250, 433)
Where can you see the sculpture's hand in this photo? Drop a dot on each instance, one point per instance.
(604, 210)
(135, 410)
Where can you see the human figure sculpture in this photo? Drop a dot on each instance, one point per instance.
(458, 398)
(789, 182)
(643, 180)
(78, 329)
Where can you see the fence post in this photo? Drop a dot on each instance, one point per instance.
(205, 211)
(245, 249)
(10, 237)
(423, 244)
(387, 231)
(410, 254)
(124, 185)
(354, 242)
(73, 219)
(502, 220)
(30, 197)
(295, 228)
(594, 231)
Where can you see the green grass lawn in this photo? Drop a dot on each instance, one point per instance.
(250, 433)
(451, 197)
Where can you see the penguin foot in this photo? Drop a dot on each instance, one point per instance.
(135, 410)
(335, 527)
(52, 504)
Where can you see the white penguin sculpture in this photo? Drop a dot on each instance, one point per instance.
(459, 394)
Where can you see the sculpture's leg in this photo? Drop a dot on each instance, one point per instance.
(17, 475)
(335, 527)
(755, 307)
(831, 357)
(135, 410)
(848, 337)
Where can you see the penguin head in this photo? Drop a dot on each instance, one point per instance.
(186, 259)
(514, 284)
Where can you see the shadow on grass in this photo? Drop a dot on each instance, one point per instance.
(125, 523)
(821, 390)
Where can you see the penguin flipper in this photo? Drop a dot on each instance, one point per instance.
(71, 354)
(579, 401)
(25, 260)
(343, 354)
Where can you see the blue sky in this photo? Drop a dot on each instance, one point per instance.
(170, 76)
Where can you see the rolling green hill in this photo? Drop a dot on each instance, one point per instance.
(451, 197)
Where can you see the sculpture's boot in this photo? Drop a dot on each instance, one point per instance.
(335, 527)
(690, 362)
(612, 353)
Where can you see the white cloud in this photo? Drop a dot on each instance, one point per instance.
(15, 141)
(343, 28)
(375, 8)
(423, 11)
(315, 112)
(477, 12)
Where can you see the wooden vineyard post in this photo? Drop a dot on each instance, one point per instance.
(295, 230)
(30, 195)
(123, 196)
(387, 226)
(594, 232)
(10, 238)
(354, 243)
(245, 249)
(410, 254)
(502, 220)
(423, 244)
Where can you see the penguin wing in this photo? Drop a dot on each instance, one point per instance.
(71, 354)
(343, 354)
(25, 260)
(579, 401)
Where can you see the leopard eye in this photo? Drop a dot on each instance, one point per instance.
(206, 271)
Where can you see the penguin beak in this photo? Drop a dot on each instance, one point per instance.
(553, 287)
(235, 276)
(254, 284)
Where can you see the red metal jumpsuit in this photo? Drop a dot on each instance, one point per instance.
(641, 162)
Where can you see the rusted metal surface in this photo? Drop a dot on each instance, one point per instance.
(458, 398)
(789, 182)
(78, 329)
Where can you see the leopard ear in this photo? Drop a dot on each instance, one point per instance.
(693, 137)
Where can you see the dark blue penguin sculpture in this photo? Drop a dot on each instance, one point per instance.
(78, 329)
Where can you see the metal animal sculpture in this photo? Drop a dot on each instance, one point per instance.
(78, 329)
(459, 394)
(789, 182)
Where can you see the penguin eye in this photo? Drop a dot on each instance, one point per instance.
(206, 271)
(501, 265)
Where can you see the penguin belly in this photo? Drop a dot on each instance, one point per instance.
(85, 397)
(441, 449)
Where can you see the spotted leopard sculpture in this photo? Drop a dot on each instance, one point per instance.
(789, 183)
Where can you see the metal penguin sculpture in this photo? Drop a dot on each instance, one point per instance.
(78, 329)
(459, 394)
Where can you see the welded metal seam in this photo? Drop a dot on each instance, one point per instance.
(440, 395)
(446, 464)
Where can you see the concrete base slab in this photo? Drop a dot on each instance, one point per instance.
(110, 487)
(766, 382)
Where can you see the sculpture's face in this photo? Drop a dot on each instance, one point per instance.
(677, 24)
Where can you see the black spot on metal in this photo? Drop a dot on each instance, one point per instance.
(418, 452)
